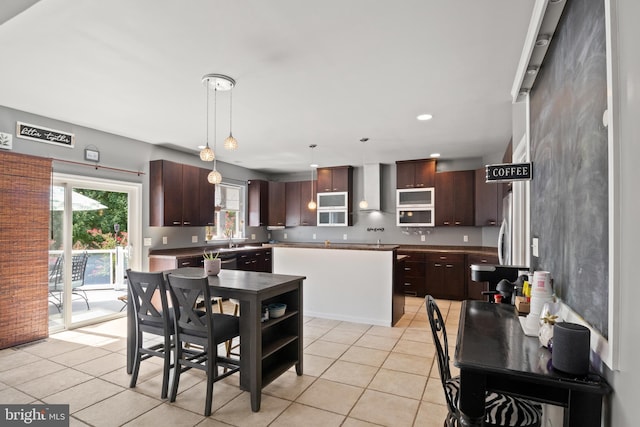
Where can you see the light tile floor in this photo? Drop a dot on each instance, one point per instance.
(354, 376)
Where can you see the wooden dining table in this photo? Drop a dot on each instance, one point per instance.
(494, 354)
(267, 349)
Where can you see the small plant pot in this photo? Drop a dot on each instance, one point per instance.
(212, 266)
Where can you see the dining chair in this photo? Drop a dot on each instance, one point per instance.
(153, 315)
(500, 409)
(55, 283)
(198, 335)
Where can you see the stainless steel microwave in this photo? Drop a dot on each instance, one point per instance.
(416, 217)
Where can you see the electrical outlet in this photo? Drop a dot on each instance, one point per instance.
(534, 247)
(253, 236)
(344, 237)
(423, 238)
(164, 240)
(194, 239)
(465, 238)
(285, 235)
(147, 241)
(314, 236)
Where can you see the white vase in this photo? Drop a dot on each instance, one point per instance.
(212, 266)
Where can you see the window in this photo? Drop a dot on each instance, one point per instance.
(229, 213)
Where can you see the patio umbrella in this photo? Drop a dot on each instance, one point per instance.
(79, 202)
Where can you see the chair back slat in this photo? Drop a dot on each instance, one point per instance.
(146, 289)
(186, 292)
(439, 338)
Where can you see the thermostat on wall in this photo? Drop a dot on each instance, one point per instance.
(91, 155)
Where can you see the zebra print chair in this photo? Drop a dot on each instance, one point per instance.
(500, 409)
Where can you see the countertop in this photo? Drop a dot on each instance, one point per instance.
(196, 251)
(331, 245)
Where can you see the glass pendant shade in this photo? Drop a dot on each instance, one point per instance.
(312, 205)
(214, 177)
(207, 155)
(363, 204)
(230, 143)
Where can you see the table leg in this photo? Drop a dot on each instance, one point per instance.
(251, 351)
(584, 410)
(472, 397)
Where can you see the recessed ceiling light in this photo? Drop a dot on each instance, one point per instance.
(423, 117)
(313, 165)
(533, 70)
(434, 155)
(200, 147)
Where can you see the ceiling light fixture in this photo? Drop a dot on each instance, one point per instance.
(312, 203)
(230, 143)
(424, 117)
(363, 203)
(218, 82)
(207, 154)
(543, 40)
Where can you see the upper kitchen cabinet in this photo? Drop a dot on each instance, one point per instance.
(298, 194)
(339, 178)
(206, 197)
(277, 204)
(415, 173)
(258, 202)
(455, 198)
(488, 201)
(172, 186)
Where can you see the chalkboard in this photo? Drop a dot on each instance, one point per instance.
(569, 192)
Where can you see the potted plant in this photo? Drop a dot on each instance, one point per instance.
(212, 263)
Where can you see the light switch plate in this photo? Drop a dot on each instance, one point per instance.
(147, 241)
(253, 237)
(194, 239)
(285, 235)
(423, 238)
(314, 236)
(164, 240)
(534, 247)
(465, 238)
(344, 237)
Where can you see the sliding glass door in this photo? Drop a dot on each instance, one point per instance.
(91, 243)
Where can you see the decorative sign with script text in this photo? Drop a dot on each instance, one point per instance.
(509, 172)
(42, 134)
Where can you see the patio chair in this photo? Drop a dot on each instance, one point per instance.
(78, 268)
(55, 283)
(206, 331)
(500, 409)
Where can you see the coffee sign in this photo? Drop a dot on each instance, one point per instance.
(42, 134)
(509, 172)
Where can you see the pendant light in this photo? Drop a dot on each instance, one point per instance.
(223, 83)
(363, 203)
(312, 203)
(230, 143)
(207, 154)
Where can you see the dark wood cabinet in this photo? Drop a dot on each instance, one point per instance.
(475, 289)
(446, 276)
(415, 173)
(488, 208)
(413, 275)
(455, 198)
(258, 199)
(308, 192)
(298, 194)
(293, 203)
(339, 178)
(276, 204)
(176, 195)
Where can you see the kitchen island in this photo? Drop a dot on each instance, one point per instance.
(349, 282)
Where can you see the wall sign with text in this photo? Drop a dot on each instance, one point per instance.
(509, 172)
(42, 134)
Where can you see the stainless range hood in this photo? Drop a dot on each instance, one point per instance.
(371, 185)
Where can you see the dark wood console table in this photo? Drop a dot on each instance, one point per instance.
(494, 354)
(267, 349)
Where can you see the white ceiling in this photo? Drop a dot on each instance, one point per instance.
(308, 72)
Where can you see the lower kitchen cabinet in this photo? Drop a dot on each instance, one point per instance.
(446, 275)
(413, 277)
(258, 260)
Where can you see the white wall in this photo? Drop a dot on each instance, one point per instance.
(624, 402)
